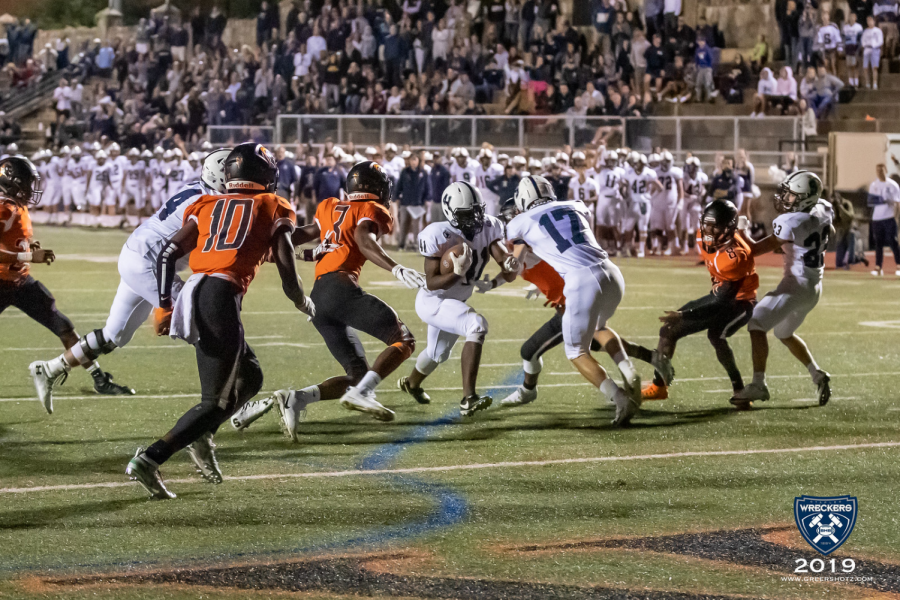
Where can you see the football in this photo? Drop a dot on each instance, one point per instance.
(446, 263)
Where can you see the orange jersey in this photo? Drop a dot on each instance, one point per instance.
(734, 263)
(548, 281)
(337, 221)
(15, 236)
(236, 233)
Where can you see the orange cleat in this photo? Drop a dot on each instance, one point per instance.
(655, 392)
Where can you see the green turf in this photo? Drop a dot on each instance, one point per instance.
(90, 439)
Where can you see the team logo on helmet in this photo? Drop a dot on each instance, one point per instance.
(825, 522)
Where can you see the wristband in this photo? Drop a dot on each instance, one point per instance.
(25, 256)
(498, 281)
(308, 255)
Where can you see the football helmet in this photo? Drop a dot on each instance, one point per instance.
(519, 162)
(463, 207)
(134, 153)
(579, 159)
(654, 160)
(533, 191)
(367, 180)
(146, 154)
(718, 225)
(12, 149)
(508, 211)
(252, 167)
(612, 160)
(692, 166)
(637, 161)
(562, 157)
(101, 155)
(206, 146)
(666, 159)
(213, 172)
(76, 152)
(485, 153)
(799, 192)
(19, 181)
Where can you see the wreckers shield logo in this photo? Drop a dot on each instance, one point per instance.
(825, 522)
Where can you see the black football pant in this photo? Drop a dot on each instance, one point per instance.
(32, 298)
(230, 374)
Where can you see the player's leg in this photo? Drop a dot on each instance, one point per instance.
(730, 321)
(610, 341)
(785, 331)
(671, 217)
(437, 350)
(643, 221)
(548, 336)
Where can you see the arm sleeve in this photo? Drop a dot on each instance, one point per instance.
(165, 272)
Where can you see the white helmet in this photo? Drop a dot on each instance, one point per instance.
(390, 148)
(653, 159)
(519, 161)
(167, 155)
(146, 154)
(612, 159)
(65, 151)
(206, 146)
(463, 152)
(502, 157)
(534, 163)
(176, 152)
(562, 157)
(666, 159)
(463, 207)
(133, 152)
(533, 190)
(213, 172)
(159, 151)
(194, 157)
(101, 154)
(12, 148)
(76, 151)
(578, 158)
(37, 156)
(455, 152)
(485, 153)
(114, 147)
(799, 192)
(635, 158)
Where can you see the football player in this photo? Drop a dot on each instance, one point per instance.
(20, 187)
(550, 284)
(723, 311)
(641, 183)
(558, 233)
(78, 172)
(486, 171)
(157, 174)
(116, 177)
(135, 171)
(463, 167)
(581, 186)
(802, 232)
(54, 187)
(606, 214)
(666, 203)
(694, 193)
(137, 294)
(234, 232)
(442, 303)
(177, 171)
(348, 231)
(100, 197)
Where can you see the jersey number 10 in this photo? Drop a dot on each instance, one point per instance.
(220, 226)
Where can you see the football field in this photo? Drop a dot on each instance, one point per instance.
(693, 500)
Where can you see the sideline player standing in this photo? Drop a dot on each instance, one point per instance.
(19, 189)
(234, 232)
(802, 231)
(642, 183)
(606, 223)
(694, 192)
(349, 230)
(582, 187)
(442, 303)
(558, 233)
(486, 171)
(137, 293)
(723, 311)
(665, 203)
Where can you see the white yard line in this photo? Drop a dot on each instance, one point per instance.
(469, 467)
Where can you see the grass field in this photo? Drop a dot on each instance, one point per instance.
(694, 500)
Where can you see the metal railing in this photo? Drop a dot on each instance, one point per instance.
(230, 135)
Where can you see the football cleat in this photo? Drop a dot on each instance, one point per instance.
(521, 396)
(250, 412)
(203, 455)
(633, 386)
(751, 392)
(44, 383)
(142, 470)
(740, 403)
(626, 408)
(823, 392)
(103, 384)
(663, 365)
(417, 393)
(292, 407)
(655, 392)
(353, 399)
(470, 405)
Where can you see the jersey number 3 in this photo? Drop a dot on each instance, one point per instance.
(220, 226)
(817, 243)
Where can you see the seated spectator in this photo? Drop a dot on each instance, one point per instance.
(677, 90)
(767, 87)
(759, 56)
(656, 65)
(735, 80)
(808, 123)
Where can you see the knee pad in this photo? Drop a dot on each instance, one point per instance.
(476, 329)
(406, 344)
(92, 346)
(533, 367)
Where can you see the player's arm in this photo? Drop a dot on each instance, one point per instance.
(181, 244)
(433, 278)
(366, 237)
(680, 183)
(35, 255)
(283, 251)
(655, 186)
(305, 234)
(768, 244)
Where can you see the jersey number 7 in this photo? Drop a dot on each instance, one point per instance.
(220, 226)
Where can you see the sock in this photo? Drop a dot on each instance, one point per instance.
(94, 367)
(626, 367)
(159, 452)
(759, 378)
(57, 366)
(313, 393)
(812, 368)
(643, 246)
(609, 388)
(369, 382)
(528, 387)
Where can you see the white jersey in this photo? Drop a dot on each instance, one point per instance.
(148, 239)
(466, 173)
(56, 168)
(101, 177)
(437, 238)
(158, 169)
(669, 179)
(695, 187)
(585, 192)
(639, 184)
(560, 234)
(394, 167)
(608, 181)
(77, 171)
(482, 176)
(176, 176)
(135, 174)
(828, 37)
(808, 234)
(852, 35)
(117, 170)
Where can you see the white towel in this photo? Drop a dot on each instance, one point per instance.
(183, 326)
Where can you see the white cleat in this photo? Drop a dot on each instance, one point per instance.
(668, 251)
(292, 407)
(250, 412)
(353, 399)
(521, 396)
(44, 383)
(203, 454)
(632, 386)
(626, 407)
(663, 366)
(750, 393)
(640, 254)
